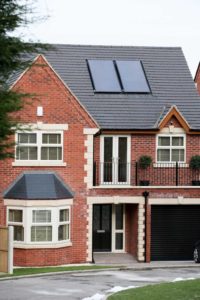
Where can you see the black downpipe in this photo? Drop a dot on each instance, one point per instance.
(92, 234)
(145, 194)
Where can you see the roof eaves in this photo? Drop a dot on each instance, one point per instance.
(64, 184)
(178, 111)
(23, 73)
(161, 116)
(13, 184)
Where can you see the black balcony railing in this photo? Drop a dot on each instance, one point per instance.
(157, 174)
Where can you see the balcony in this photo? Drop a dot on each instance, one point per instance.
(157, 174)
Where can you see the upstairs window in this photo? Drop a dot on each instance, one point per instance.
(27, 146)
(39, 146)
(171, 148)
(51, 147)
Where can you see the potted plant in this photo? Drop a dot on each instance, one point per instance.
(144, 162)
(195, 165)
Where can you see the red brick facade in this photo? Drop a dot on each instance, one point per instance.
(61, 107)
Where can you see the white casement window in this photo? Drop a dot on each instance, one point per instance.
(63, 228)
(41, 228)
(15, 218)
(171, 148)
(39, 225)
(39, 146)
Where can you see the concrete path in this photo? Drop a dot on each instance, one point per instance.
(120, 259)
(87, 285)
(128, 261)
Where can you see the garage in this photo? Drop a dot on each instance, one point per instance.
(174, 230)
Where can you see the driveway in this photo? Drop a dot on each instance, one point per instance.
(88, 285)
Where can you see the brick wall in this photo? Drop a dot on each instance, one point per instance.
(153, 192)
(60, 107)
(131, 233)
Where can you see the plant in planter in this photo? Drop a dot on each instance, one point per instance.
(144, 162)
(195, 165)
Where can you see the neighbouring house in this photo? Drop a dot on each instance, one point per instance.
(197, 78)
(102, 163)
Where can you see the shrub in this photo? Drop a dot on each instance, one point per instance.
(145, 161)
(195, 162)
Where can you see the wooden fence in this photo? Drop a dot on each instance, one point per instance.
(6, 249)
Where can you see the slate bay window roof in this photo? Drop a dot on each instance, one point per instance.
(38, 186)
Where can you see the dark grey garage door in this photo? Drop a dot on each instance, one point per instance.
(174, 230)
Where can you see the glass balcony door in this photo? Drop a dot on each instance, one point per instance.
(115, 160)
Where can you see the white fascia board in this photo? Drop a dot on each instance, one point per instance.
(35, 203)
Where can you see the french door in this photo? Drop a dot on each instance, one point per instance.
(115, 159)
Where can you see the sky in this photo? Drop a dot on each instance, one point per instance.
(120, 22)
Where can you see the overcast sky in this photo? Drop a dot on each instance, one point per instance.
(121, 22)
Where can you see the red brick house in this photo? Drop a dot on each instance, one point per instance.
(76, 185)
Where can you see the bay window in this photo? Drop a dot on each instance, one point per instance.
(39, 225)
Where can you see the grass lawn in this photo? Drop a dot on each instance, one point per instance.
(183, 290)
(29, 271)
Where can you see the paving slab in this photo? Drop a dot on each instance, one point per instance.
(128, 261)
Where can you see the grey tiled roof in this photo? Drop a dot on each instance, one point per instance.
(38, 186)
(167, 73)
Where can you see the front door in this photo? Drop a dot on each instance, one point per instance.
(102, 227)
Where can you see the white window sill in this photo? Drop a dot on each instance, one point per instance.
(170, 165)
(22, 245)
(38, 163)
(113, 186)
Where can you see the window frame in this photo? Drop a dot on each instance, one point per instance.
(28, 223)
(41, 224)
(115, 158)
(63, 223)
(39, 146)
(12, 223)
(171, 147)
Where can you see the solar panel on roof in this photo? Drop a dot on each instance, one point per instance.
(104, 76)
(132, 76)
